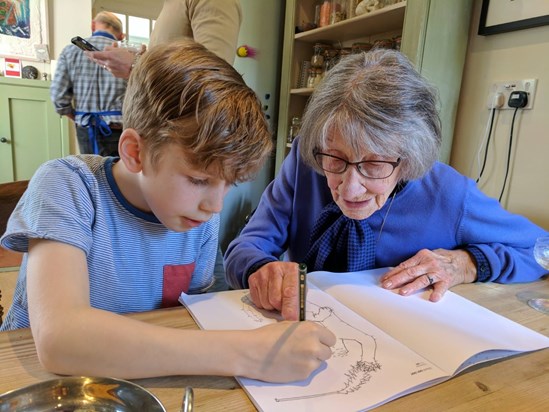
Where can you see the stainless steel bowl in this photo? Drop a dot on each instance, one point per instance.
(81, 394)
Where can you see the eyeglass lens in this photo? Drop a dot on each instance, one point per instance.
(368, 168)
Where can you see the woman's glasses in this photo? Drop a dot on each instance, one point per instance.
(372, 169)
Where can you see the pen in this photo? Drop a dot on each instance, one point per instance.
(302, 290)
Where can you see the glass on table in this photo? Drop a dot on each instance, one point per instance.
(541, 254)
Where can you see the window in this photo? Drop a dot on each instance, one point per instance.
(136, 29)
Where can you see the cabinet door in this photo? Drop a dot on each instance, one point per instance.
(30, 131)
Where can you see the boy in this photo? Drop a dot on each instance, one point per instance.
(106, 236)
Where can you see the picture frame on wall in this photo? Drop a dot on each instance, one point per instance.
(502, 16)
(23, 24)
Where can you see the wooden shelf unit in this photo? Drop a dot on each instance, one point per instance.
(434, 37)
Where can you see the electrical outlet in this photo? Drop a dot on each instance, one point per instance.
(505, 88)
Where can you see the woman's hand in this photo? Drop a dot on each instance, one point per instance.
(275, 286)
(117, 60)
(439, 268)
(287, 351)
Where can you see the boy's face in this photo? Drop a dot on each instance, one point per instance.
(180, 196)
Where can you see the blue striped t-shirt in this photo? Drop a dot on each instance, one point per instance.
(132, 258)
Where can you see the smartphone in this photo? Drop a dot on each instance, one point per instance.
(83, 44)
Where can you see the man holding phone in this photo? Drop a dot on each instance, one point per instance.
(89, 94)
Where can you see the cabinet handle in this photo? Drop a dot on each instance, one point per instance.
(4, 140)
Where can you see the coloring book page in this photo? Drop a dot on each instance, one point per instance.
(453, 333)
(387, 345)
(364, 359)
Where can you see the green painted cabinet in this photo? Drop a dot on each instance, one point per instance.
(30, 130)
(434, 37)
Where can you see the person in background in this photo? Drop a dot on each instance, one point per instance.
(89, 94)
(361, 189)
(103, 236)
(212, 23)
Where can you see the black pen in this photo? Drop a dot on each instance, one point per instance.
(302, 290)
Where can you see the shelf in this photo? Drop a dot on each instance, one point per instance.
(304, 91)
(380, 21)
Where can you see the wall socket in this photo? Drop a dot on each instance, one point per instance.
(501, 90)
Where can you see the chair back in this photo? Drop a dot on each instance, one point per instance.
(10, 193)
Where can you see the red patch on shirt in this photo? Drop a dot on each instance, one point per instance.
(177, 279)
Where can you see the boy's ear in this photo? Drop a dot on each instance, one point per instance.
(130, 150)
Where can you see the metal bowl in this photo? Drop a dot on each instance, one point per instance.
(81, 394)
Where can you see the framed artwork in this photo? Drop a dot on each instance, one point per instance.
(23, 25)
(502, 16)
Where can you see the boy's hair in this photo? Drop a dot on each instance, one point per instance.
(181, 93)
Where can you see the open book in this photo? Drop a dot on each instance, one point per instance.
(388, 345)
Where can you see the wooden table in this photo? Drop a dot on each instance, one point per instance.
(519, 383)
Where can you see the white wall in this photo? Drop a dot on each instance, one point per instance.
(141, 8)
(68, 18)
(520, 54)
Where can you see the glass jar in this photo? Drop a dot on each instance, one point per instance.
(311, 80)
(396, 42)
(361, 47)
(383, 44)
(351, 8)
(325, 13)
(295, 126)
(319, 76)
(338, 11)
(318, 5)
(317, 60)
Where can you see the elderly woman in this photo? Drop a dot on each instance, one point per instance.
(361, 189)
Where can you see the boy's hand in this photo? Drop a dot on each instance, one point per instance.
(289, 351)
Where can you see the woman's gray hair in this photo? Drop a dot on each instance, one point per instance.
(377, 102)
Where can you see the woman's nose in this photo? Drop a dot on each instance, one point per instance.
(351, 183)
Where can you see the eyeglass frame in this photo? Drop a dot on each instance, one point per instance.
(356, 164)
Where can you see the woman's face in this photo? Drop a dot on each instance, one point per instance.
(357, 196)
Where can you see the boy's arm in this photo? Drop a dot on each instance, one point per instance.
(73, 338)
